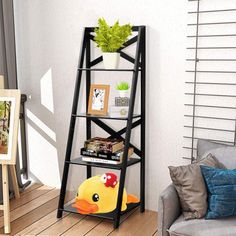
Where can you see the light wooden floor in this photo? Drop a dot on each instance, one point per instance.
(35, 214)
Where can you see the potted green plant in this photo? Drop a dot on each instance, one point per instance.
(123, 89)
(110, 39)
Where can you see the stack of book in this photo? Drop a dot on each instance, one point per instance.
(104, 150)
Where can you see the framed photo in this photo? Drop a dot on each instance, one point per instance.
(98, 99)
(9, 122)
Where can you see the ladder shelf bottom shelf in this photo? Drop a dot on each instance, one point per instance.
(108, 216)
(79, 161)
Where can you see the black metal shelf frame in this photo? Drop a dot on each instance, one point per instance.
(139, 65)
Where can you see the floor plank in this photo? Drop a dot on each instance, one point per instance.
(102, 229)
(40, 225)
(82, 227)
(39, 219)
(31, 187)
(106, 226)
(138, 224)
(63, 225)
(20, 211)
(27, 197)
(19, 224)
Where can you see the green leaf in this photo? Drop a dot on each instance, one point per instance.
(111, 38)
(122, 86)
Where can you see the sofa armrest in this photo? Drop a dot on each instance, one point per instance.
(168, 210)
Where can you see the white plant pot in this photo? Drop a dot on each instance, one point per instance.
(123, 93)
(111, 60)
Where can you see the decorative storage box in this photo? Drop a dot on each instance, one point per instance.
(115, 111)
(122, 102)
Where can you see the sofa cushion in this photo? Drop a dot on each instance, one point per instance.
(191, 188)
(202, 227)
(223, 153)
(204, 146)
(221, 186)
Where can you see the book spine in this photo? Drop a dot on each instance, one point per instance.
(106, 156)
(103, 145)
(87, 153)
(99, 160)
(100, 147)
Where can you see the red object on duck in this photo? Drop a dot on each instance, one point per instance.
(109, 179)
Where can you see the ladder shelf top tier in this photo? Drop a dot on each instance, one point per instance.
(135, 28)
(102, 69)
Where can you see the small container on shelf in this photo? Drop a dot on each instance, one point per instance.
(121, 111)
(121, 101)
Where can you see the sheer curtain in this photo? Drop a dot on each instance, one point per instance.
(7, 44)
(9, 71)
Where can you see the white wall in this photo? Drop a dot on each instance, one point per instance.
(48, 43)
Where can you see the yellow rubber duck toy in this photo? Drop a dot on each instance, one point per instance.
(99, 194)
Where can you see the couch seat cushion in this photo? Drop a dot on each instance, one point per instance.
(202, 227)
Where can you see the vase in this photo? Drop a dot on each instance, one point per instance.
(111, 60)
(123, 93)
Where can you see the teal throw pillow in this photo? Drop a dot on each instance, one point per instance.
(221, 186)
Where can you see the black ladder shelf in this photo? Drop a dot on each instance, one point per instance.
(132, 121)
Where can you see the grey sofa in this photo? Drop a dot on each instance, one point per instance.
(170, 220)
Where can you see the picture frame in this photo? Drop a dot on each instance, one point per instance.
(9, 124)
(98, 99)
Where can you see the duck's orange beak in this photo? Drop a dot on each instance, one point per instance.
(85, 207)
